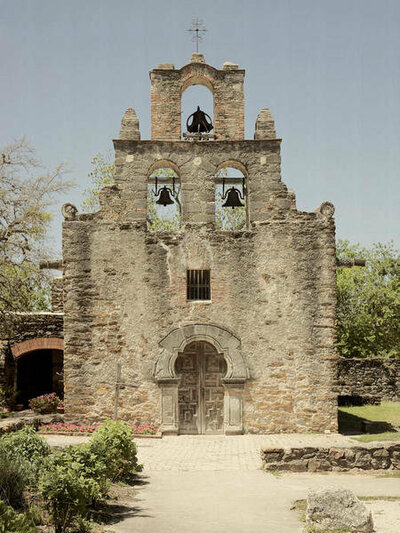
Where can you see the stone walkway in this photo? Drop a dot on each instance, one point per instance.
(220, 452)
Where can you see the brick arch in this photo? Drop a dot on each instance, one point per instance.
(223, 340)
(38, 343)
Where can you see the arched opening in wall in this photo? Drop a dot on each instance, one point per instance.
(230, 197)
(163, 198)
(201, 392)
(195, 96)
(39, 372)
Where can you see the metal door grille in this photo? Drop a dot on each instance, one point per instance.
(198, 285)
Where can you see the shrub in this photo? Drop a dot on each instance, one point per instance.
(113, 444)
(67, 495)
(47, 403)
(81, 459)
(12, 522)
(27, 445)
(15, 475)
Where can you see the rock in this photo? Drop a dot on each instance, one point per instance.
(335, 508)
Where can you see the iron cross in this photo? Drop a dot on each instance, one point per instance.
(197, 27)
(118, 384)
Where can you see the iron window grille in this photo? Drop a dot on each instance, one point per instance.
(198, 285)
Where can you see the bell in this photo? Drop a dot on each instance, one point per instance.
(201, 122)
(232, 198)
(165, 198)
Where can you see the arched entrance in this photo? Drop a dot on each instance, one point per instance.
(232, 373)
(39, 367)
(200, 391)
(39, 372)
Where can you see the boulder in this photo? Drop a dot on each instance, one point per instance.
(334, 508)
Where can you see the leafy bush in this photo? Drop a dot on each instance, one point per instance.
(21, 459)
(47, 403)
(27, 443)
(15, 475)
(12, 522)
(28, 446)
(113, 444)
(67, 494)
(83, 462)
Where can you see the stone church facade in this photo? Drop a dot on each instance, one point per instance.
(255, 352)
(200, 330)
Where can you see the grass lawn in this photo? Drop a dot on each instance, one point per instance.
(387, 414)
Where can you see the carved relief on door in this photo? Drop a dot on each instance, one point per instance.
(200, 392)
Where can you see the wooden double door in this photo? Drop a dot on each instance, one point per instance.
(200, 393)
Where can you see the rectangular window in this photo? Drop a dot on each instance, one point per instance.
(198, 285)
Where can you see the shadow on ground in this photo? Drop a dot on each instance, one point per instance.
(125, 503)
(354, 425)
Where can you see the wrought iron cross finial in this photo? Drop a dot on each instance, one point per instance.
(197, 27)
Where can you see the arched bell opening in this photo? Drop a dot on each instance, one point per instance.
(201, 370)
(231, 197)
(39, 372)
(197, 122)
(164, 204)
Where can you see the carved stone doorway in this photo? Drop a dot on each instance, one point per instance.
(200, 392)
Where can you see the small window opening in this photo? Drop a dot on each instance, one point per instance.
(230, 218)
(164, 200)
(198, 285)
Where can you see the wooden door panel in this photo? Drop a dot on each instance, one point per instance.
(200, 393)
(188, 397)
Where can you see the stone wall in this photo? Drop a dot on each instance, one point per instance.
(273, 287)
(57, 305)
(35, 324)
(337, 459)
(369, 380)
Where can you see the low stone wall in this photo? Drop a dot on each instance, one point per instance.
(28, 418)
(368, 380)
(337, 459)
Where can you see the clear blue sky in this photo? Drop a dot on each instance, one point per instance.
(328, 70)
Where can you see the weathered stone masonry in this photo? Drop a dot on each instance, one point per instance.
(370, 380)
(273, 286)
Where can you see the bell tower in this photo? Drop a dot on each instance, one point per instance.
(168, 85)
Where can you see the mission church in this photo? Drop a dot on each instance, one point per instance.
(197, 329)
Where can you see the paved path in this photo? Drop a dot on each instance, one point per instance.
(237, 502)
(220, 452)
(213, 484)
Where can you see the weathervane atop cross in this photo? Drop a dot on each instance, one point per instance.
(197, 27)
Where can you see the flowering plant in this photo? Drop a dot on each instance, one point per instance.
(145, 429)
(47, 403)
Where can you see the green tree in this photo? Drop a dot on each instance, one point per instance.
(368, 311)
(102, 174)
(27, 192)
